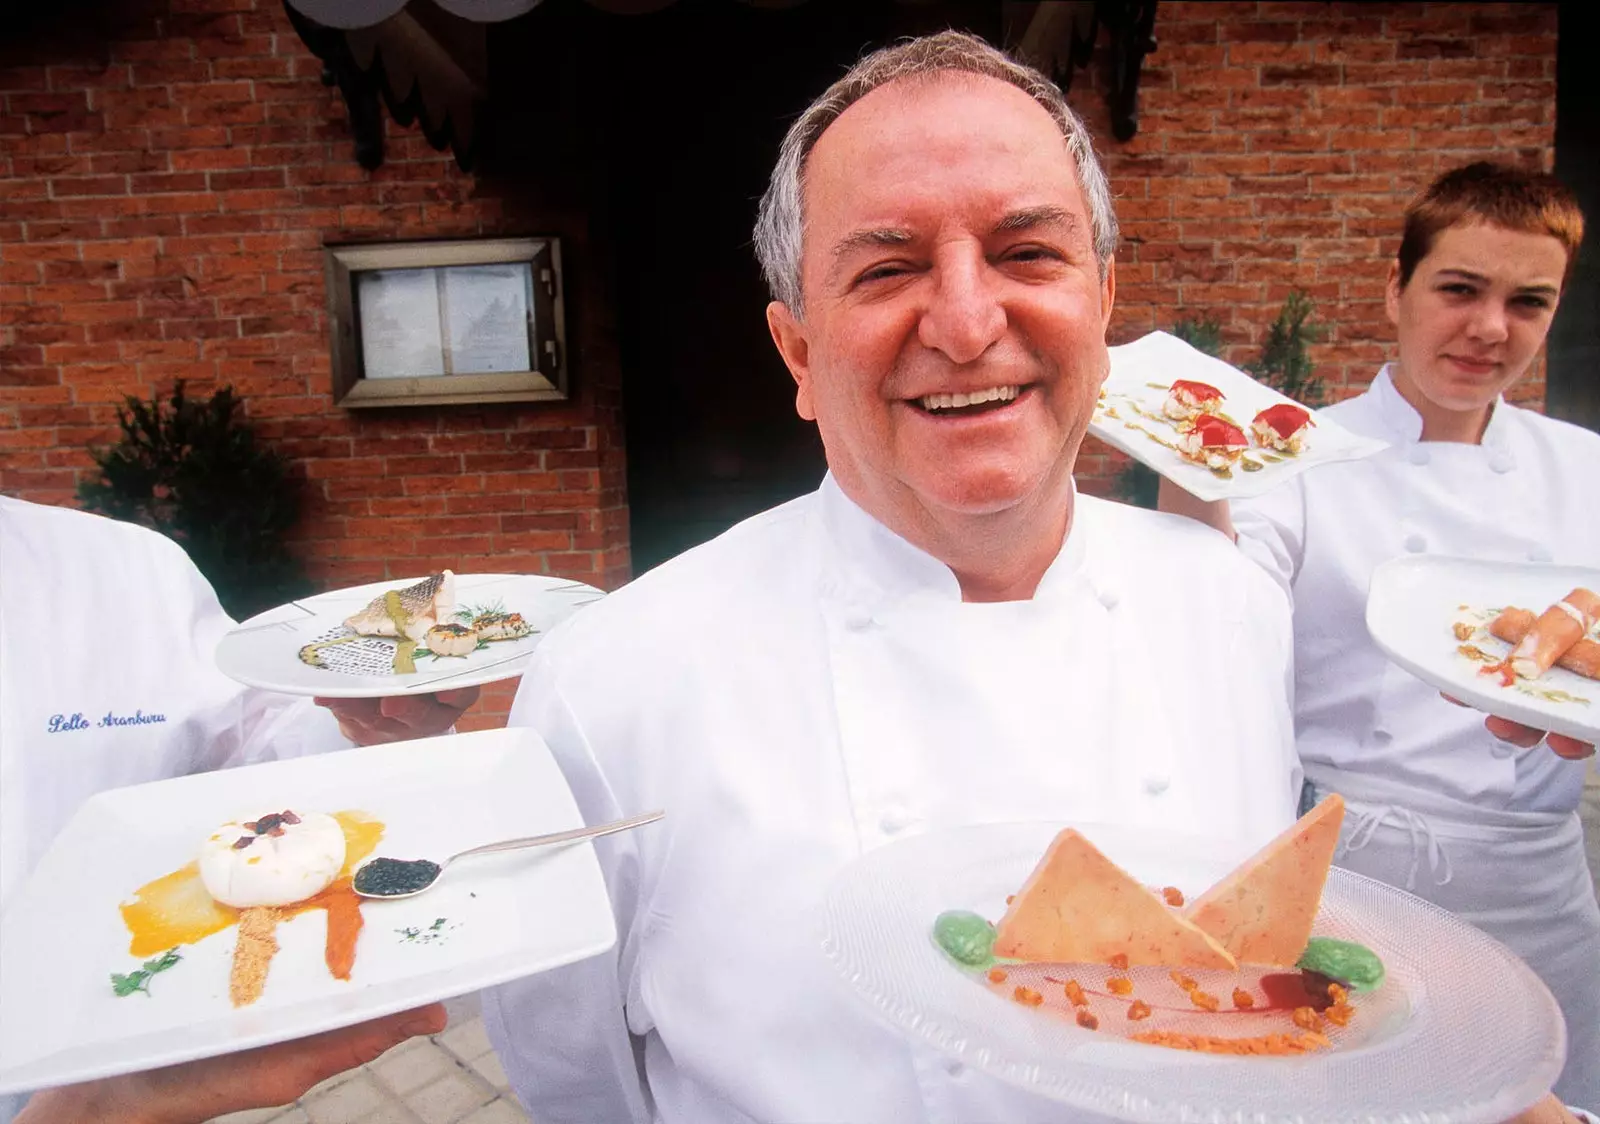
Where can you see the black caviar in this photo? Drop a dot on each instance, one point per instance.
(387, 878)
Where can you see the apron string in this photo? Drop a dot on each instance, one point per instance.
(1370, 818)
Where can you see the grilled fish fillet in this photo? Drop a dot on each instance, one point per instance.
(422, 606)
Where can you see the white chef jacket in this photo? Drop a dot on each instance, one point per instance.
(1526, 494)
(809, 686)
(1437, 804)
(107, 678)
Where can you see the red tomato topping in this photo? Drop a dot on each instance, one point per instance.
(1216, 433)
(1199, 391)
(1285, 419)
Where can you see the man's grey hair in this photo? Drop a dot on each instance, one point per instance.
(780, 223)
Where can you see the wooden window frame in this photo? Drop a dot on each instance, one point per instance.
(351, 389)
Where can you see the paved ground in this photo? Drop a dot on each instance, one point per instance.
(454, 1078)
(450, 1078)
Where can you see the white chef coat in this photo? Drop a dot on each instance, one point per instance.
(107, 678)
(1524, 495)
(1438, 805)
(809, 686)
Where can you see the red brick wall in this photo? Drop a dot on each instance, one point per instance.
(1277, 146)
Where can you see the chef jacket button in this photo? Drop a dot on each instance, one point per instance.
(1156, 783)
(1418, 455)
(1540, 554)
(1416, 544)
(1500, 462)
(1108, 598)
(895, 820)
(954, 1068)
(858, 620)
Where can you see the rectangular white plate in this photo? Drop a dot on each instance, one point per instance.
(1142, 371)
(1413, 602)
(507, 916)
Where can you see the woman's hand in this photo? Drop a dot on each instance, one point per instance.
(1215, 514)
(197, 1091)
(1526, 737)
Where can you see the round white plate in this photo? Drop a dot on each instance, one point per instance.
(1462, 1032)
(1413, 602)
(264, 651)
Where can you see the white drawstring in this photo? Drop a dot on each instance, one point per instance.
(1423, 840)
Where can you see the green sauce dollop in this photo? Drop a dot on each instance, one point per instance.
(965, 937)
(1349, 963)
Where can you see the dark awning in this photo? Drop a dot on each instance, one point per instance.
(427, 59)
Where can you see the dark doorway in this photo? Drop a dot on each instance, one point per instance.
(694, 102)
(1574, 349)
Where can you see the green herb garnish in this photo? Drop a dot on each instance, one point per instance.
(469, 613)
(139, 978)
(435, 932)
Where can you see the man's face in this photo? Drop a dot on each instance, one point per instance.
(1475, 312)
(953, 343)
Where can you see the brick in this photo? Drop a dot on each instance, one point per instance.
(1308, 74)
(461, 505)
(1442, 93)
(88, 185)
(409, 506)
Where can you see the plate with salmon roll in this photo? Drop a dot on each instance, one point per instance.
(434, 632)
(1514, 639)
(1209, 427)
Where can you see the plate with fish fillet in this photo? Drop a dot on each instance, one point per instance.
(1517, 639)
(1208, 427)
(207, 914)
(436, 632)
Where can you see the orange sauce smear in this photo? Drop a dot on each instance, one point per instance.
(175, 908)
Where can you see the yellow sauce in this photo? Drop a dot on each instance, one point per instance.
(175, 908)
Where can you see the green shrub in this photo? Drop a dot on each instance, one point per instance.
(194, 470)
(1283, 364)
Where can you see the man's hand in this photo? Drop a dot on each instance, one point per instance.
(197, 1091)
(1547, 1111)
(1526, 737)
(399, 717)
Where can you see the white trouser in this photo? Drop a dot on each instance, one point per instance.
(1521, 877)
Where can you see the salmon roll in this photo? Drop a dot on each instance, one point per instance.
(1558, 628)
(1583, 658)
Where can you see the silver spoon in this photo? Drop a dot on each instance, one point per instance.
(389, 879)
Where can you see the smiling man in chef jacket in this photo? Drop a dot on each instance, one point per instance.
(107, 679)
(944, 633)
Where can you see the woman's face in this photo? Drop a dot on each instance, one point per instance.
(1475, 313)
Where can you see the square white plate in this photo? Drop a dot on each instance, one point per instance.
(264, 651)
(507, 916)
(1413, 602)
(1142, 371)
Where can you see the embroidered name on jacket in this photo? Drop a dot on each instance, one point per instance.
(137, 718)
